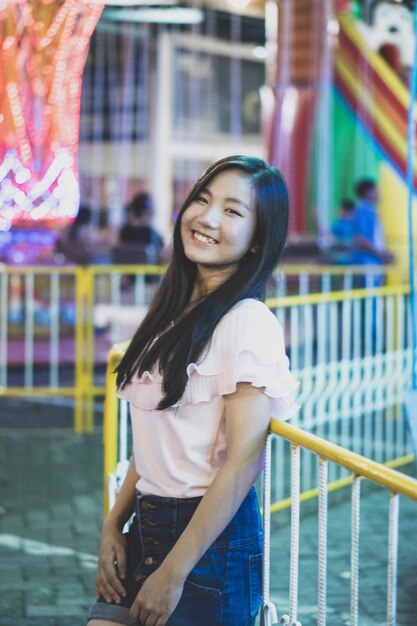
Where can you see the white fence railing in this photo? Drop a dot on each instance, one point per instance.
(395, 485)
(58, 324)
(351, 353)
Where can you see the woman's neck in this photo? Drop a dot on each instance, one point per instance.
(208, 281)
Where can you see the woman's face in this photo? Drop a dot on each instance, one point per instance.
(218, 227)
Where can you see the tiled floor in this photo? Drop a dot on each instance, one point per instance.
(51, 513)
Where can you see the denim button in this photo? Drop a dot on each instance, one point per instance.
(147, 523)
(150, 541)
(149, 560)
(145, 506)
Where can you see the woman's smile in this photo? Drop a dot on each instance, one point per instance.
(202, 238)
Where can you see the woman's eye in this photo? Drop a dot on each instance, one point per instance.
(201, 199)
(233, 211)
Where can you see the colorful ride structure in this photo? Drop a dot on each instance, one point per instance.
(371, 103)
(341, 105)
(43, 47)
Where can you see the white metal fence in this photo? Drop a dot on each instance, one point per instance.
(351, 353)
(395, 485)
(38, 317)
(58, 324)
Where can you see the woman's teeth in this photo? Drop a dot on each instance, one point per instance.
(203, 238)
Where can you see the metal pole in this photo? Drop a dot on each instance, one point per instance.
(410, 182)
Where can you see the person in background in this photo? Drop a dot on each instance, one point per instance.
(369, 238)
(72, 244)
(342, 250)
(138, 231)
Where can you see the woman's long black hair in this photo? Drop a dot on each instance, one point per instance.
(170, 347)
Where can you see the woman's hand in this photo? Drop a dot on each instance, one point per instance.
(157, 599)
(111, 564)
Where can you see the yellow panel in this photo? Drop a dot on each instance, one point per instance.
(393, 211)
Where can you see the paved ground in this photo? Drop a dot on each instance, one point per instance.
(50, 518)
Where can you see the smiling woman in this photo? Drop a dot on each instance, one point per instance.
(203, 374)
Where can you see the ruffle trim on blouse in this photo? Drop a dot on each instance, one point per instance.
(204, 385)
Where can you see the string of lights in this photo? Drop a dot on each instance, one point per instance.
(43, 49)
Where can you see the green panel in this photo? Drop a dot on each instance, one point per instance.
(356, 9)
(354, 156)
(355, 152)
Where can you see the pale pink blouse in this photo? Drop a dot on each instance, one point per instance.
(179, 450)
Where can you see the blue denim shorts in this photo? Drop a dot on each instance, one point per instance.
(224, 588)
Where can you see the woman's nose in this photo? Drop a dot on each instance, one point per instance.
(210, 216)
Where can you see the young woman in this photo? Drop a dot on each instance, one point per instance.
(203, 374)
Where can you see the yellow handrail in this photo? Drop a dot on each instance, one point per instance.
(286, 268)
(38, 269)
(84, 389)
(110, 417)
(334, 270)
(148, 270)
(359, 465)
(336, 296)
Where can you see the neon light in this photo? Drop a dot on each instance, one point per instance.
(54, 197)
(42, 56)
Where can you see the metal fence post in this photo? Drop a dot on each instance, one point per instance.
(81, 287)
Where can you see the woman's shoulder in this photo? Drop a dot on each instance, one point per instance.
(250, 310)
(248, 346)
(248, 320)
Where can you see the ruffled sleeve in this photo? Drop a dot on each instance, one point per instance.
(144, 392)
(247, 346)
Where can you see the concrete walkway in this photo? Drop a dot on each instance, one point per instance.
(50, 520)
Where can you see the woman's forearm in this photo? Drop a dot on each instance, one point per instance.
(125, 502)
(247, 418)
(215, 511)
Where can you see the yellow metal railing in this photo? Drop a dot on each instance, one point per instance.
(111, 420)
(295, 269)
(393, 482)
(14, 282)
(337, 296)
(361, 467)
(396, 483)
(102, 286)
(383, 474)
(357, 464)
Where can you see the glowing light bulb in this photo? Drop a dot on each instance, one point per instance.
(5, 225)
(19, 196)
(22, 175)
(59, 192)
(8, 42)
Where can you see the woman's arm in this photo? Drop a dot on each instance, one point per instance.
(113, 543)
(125, 501)
(247, 420)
